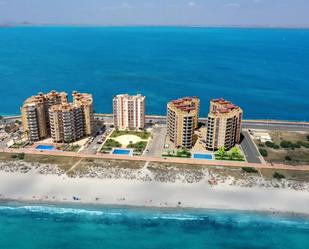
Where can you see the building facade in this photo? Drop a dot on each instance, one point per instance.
(182, 120)
(129, 111)
(50, 115)
(34, 114)
(66, 122)
(84, 101)
(223, 125)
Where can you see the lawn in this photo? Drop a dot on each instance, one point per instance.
(138, 147)
(142, 134)
(71, 148)
(110, 144)
(177, 153)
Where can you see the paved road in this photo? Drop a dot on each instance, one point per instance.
(250, 150)
(156, 145)
(276, 126)
(247, 124)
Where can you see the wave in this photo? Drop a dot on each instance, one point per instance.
(219, 218)
(52, 210)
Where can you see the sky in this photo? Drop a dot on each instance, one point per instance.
(157, 12)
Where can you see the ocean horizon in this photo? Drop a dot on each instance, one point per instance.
(25, 225)
(263, 70)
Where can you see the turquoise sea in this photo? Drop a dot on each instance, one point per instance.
(265, 71)
(31, 226)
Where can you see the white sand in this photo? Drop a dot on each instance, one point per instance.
(37, 187)
(126, 139)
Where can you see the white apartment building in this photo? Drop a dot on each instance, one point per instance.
(129, 111)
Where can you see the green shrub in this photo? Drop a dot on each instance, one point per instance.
(276, 147)
(272, 145)
(288, 158)
(249, 170)
(111, 143)
(263, 152)
(289, 145)
(139, 146)
(303, 144)
(308, 138)
(269, 144)
(21, 156)
(278, 176)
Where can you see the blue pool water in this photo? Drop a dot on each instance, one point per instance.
(265, 71)
(202, 156)
(44, 147)
(121, 152)
(30, 226)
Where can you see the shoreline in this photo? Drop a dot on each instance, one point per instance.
(54, 189)
(179, 210)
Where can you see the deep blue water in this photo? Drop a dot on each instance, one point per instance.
(265, 71)
(29, 226)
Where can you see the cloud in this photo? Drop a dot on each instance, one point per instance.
(234, 5)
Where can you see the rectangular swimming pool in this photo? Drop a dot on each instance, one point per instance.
(45, 147)
(202, 156)
(121, 152)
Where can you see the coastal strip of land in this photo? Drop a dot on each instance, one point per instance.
(264, 165)
(108, 181)
(64, 189)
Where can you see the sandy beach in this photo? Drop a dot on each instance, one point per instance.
(32, 186)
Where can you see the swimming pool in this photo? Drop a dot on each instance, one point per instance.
(122, 152)
(45, 147)
(202, 156)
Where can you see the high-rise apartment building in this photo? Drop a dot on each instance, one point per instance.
(66, 122)
(182, 120)
(34, 114)
(50, 114)
(85, 102)
(223, 125)
(129, 111)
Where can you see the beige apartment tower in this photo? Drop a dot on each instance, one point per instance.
(66, 123)
(129, 111)
(182, 120)
(50, 115)
(223, 125)
(34, 113)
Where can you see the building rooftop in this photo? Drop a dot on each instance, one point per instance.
(129, 96)
(222, 106)
(185, 104)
